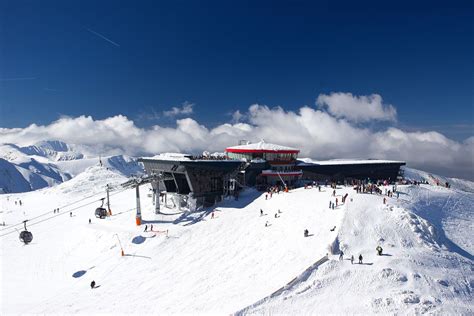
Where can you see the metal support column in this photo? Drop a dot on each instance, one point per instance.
(108, 201)
(139, 211)
(157, 200)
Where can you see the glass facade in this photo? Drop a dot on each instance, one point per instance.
(290, 157)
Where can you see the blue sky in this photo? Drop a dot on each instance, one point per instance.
(224, 56)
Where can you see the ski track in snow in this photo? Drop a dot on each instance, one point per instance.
(233, 262)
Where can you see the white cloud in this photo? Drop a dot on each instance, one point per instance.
(237, 116)
(316, 132)
(185, 109)
(357, 108)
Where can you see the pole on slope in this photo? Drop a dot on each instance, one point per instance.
(138, 218)
(157, 200)
(108, 201)
(121, 248)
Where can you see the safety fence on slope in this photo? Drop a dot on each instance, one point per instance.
(297, 280)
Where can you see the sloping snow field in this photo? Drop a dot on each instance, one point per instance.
(232, 262)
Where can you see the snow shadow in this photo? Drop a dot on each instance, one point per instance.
(79, 273)
(138, 256)
(137, 240)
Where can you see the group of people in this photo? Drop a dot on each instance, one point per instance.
(274, 189)
(341, 257)
(146, 228)
(312, 185)
(56, 210)
(277, 215)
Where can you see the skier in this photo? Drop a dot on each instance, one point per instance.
(279, 211)
(334, 193)
(379, 250)
(266, 196)
(266, 224)
(337, 202)
(212, 215)
(332, 229)
(276, 215)
(92, 284)
(70, 214)
(20, 202)
(330, 206)
(151, 227)
(352, 259)
(341, 256)
(89, 220)
(261, 212)
(384, 200)
(360, 259)
(306, 233)
(146, 228)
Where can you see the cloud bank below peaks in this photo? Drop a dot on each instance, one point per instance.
(320, 133)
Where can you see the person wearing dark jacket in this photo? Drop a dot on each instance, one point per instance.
(92, 284)
(360, 259)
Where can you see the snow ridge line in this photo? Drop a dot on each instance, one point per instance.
(298, 279)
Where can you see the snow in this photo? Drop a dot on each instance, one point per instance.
(262, 145)
(427, 266)
(347, 161)
(49, 163)
(170, 156)
(225, 264)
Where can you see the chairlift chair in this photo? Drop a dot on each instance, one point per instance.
(25, 236)
(101, 212)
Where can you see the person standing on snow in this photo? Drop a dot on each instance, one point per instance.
(341, 256)
(360, 259)
(92, 284)
(352, 259)
(261, 212)
(146, 228)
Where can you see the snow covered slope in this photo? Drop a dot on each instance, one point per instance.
(419, 175)
(224, 264)
(426, 267)
(49, 163)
